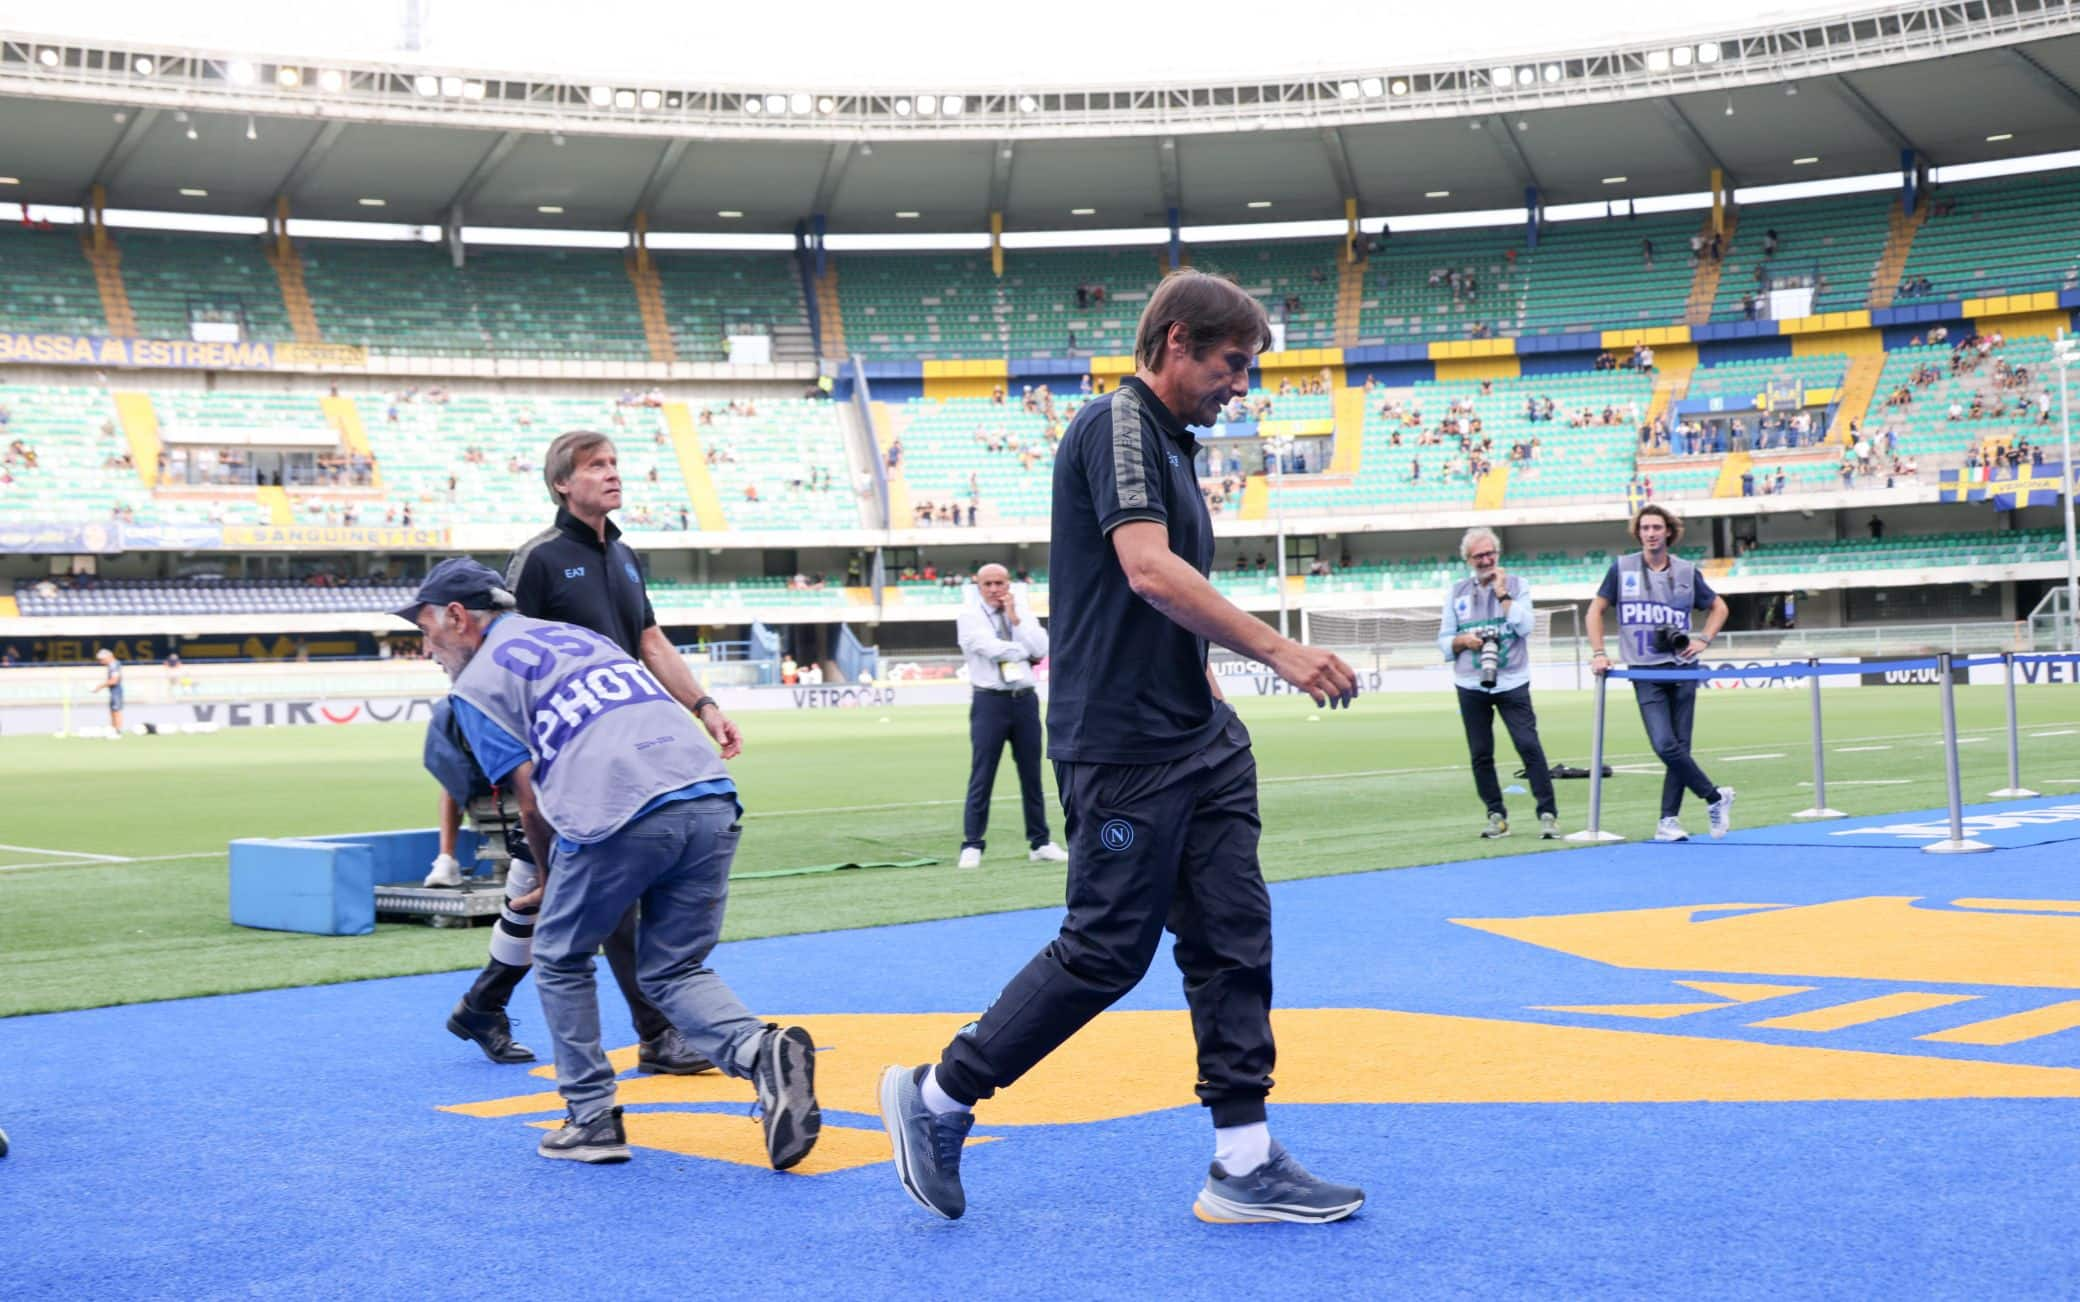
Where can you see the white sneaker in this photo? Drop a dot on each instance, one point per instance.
(1670, 829)
(970, 857)
(1720, 812)
(446, 872)
(1049, 853)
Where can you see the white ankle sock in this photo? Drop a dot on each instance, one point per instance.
(937, 1099)
(1242, 1149)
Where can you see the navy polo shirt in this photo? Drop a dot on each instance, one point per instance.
(1126, 684)
(566, 574)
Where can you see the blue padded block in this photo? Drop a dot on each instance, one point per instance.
(405, 856)
(324, 888)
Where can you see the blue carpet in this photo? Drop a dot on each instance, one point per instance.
(289, 1143)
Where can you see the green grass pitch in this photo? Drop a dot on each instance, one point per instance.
(1383, 785)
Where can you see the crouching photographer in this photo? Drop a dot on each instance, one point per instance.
(1486, 634)
(1657, 595)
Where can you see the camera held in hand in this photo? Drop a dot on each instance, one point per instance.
(1490, 658)
(1670, 640)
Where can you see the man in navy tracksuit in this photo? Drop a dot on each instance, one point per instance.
(1157, 782)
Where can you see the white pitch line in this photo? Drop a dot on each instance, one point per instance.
(2062, 732)
(104, 860)
(1865, 782)
(62, 854)
(1735, 759)
(1851, 750)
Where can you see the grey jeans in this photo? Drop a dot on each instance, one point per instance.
(675, 860)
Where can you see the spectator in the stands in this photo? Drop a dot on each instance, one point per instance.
(895, 453)
(11, 657)
(1646, 249)
(1769, 243)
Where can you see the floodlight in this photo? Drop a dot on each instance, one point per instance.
(472, 90)
(902, 108)
(47, 57)
(1027, 104)
(1657, 60)
(1348, 90)
(141, 65)
(451, 87)
(332, 80)
(927, 105)
(1372, 87)
(624, 99)
(953, 105)
(1399, 87)
(1527, 76)
(1680, 56)
(427, 85)
(1500, 78)
(776, 103)
(753, 104)
(798, 102)
(601, 96)
(1554, 72)
(1708, 52)
(237, 70)
(827, 104)
(288, 77)
(651, 100)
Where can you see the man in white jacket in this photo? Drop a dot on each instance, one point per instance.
(1002, 644)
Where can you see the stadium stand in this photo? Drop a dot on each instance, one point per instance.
(1923, 426)
(905, 305)
(1739, 383)
(1832, 244)
(1987, 547)
(177, 280)
(780, 465)
(1583, 275)
(395, 298)
(50, 287)
(557, 303)
(1045, 318)
(708, 296)
(997, 453)
(490, 448)
(144, 597)
(2013, 235)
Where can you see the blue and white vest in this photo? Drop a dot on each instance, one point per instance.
(605, 736)
(1649, 599)
(1476, 608)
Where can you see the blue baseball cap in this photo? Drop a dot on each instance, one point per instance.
(459, 579)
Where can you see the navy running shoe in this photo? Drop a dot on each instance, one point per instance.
(927, 1146)
(1279, 1190)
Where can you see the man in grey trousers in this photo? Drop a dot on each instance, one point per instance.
(622, 803)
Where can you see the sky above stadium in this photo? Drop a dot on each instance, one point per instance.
(921, 44)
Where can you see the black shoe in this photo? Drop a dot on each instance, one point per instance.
(668, 1054)
(601, 1139)
(492, 1032)
(785, 1075)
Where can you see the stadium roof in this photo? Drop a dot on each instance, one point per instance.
(2008, 91)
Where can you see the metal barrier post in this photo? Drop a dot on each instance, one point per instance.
(1594, 833)
(2014, 790)
(1956, 843)
(1820, 807)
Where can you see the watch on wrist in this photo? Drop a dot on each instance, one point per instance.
(703, 704)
